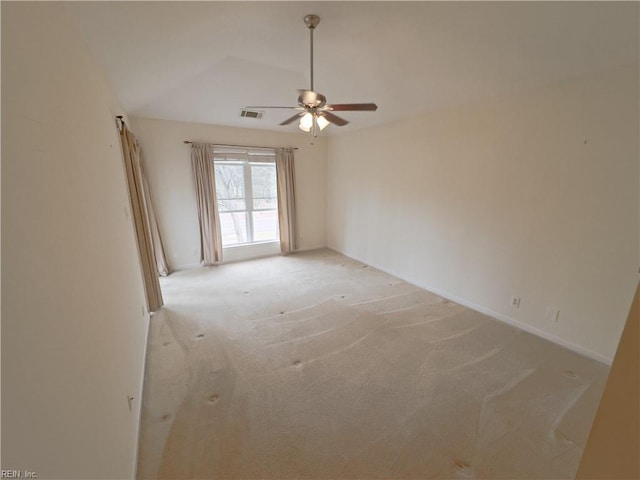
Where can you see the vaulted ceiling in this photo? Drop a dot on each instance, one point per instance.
(203, 61)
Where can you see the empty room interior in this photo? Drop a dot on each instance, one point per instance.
(320, 240)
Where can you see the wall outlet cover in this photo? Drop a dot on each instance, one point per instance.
(553, 314)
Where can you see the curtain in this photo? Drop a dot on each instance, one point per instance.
(139, 208)
(205, 186)
(158, 248)
(286, 200)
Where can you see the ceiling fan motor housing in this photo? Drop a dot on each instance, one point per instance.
(311, 99)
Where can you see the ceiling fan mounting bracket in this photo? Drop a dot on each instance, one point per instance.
(311, 21)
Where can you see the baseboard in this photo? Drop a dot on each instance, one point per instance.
(191, 266)
(498, 316)
(309, 248)
(523, 326)
(188, 266)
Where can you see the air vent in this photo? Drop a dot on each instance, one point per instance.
(251, 113)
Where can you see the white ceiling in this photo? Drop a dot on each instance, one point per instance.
(203, 61)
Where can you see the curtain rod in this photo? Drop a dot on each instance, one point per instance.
(238, 146)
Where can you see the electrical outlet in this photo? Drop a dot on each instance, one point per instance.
(194, 252)
(553, 314)
(515, 302)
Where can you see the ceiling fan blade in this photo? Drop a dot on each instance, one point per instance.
(292, 118)
(354, 107)
(336, 120)
(261, 106)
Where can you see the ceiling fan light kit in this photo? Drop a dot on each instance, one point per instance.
(314, 112)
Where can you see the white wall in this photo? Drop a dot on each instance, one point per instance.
(533, 195)
(171, 181)
(73, 325)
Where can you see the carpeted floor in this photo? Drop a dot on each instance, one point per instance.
(317, 366)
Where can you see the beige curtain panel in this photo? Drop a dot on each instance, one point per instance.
(139, 209)
(158, 248)
(205, 187)
(286, 200)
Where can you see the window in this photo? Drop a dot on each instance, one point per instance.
(246, 191)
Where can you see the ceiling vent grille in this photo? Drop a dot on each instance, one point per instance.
(251, 113)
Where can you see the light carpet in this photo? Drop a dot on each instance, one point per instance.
(315, 366)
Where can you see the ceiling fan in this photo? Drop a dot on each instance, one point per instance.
(314, 112)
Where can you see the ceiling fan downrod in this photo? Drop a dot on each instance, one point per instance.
(311, 21)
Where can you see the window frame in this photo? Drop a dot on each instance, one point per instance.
(247, 159)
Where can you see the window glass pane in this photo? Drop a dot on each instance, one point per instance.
(248, 212)
(234, 228)
(263, 180)
(265, 225)
(265, 203)
(229, 181)
(225, 205)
